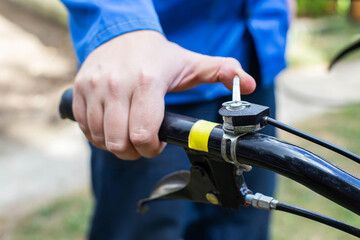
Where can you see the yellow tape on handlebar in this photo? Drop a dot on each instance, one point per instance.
(199, 135)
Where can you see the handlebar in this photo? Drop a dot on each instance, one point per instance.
(275, 155)
(265, 152)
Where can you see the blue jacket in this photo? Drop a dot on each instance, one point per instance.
(212, 27)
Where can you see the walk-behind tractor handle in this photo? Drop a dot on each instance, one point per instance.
(219, 155)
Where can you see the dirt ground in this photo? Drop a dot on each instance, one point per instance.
(41, 156)
(36, 60)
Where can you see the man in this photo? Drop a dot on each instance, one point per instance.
(133, 53)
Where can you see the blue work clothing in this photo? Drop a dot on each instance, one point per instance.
(253, 32)
(119, 185)
(211, 27)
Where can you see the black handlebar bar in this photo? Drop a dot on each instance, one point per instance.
(275, 155)
(65, 105)
(266, 152)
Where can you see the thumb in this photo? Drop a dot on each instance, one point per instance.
(206, 69)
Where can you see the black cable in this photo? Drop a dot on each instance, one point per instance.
(319, 218)
(344, 52)
(311, 138)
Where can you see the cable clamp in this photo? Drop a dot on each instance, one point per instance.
(233, 142)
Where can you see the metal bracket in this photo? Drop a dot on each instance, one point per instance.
(233, 142)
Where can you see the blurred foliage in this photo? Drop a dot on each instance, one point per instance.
(50, 9)
(317, 41)
(317, 8)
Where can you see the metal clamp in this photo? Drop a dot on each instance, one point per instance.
(233, 141)
(261, 201)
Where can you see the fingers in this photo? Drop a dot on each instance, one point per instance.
(88, 111)
(247, 82)
(206, 69)
(79, 109)
(95, 120)
(124, 111)
(116, 128)
(224, 70)
(103, 117)
(146, 115)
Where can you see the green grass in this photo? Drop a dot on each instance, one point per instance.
(342, 128)
(68, 217)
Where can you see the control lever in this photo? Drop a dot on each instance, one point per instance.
(214, 179)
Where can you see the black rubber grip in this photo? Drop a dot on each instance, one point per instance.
(65, 106)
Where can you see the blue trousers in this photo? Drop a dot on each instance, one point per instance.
(118, 185)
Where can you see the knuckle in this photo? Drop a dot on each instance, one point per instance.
(122, 150)
(227, 68)
(84, 82)
(78, 85)
(94, 80)
(98, 139)
(113, 85)
(231, 61)
(117, 147)
(220, 70)
(141, 136)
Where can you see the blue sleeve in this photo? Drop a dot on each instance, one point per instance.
(93, 22)
(268, 25)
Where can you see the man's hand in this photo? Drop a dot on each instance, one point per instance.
(119, 90)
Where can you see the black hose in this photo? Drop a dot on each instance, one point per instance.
(343, 53)
(319, 218)
(313, 139)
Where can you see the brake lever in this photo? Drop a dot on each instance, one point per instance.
(210, 180)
